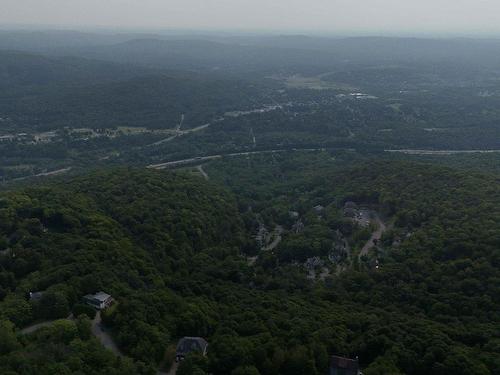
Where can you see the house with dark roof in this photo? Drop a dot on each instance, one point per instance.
(350, 212)
(343, 366)
(189, 345)
(350, 204)
(99, 301)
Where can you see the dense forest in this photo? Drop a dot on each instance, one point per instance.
(173, 249)
(330, 197)
(48, 93)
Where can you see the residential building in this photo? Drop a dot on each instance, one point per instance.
(344, 366)
(189, 345)
(35, 296)
(99, 300)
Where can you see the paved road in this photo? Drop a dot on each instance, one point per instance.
(202, 171)
(99, 331)
(278, 231)
(35, 327)
(228, 114)
(175, 163)
(377, 235)
(180, 133)
(442, 152)
(180, 123)
(45, 174)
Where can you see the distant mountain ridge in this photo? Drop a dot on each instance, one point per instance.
(27, 69)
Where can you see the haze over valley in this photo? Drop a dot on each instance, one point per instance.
(249, 189)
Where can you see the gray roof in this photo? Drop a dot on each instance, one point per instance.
(350, 366)
(350, 204)
(191, 344)
(99, 296)
(36, 295)
(351, 212)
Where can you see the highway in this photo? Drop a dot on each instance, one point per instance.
(176, 163)
(442, 152)
(179, 133)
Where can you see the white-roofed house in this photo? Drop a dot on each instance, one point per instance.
(100, 300)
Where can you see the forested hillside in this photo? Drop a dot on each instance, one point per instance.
(71, 101)
(175, 251)
(21, 70)
(127, 233)
(59, 94)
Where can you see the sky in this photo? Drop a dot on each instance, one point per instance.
(355, 16)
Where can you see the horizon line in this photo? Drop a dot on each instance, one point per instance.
(19, 27)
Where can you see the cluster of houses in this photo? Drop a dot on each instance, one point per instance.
(185, 346)
(262, 236)
(350, 210)
(314, 262)
(14, 137)
(26, 138)
(102, 300)
(188, 345)
(359, 214)
(338, 365)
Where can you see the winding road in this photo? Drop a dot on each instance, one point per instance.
(278, 231)
(100, 332)
(377, 235)
(35, 327)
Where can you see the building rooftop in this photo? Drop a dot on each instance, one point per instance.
(36, 295)
(99, 296)
(344, 363)
(350, 204)
(191, 344)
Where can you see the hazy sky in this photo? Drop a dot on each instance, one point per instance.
(463, 16)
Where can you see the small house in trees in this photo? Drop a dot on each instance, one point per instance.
(350, 204)
(319, 209)
(99, 300)
(36, 296)
(350, 212)
(343, 366)
(189, 345)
